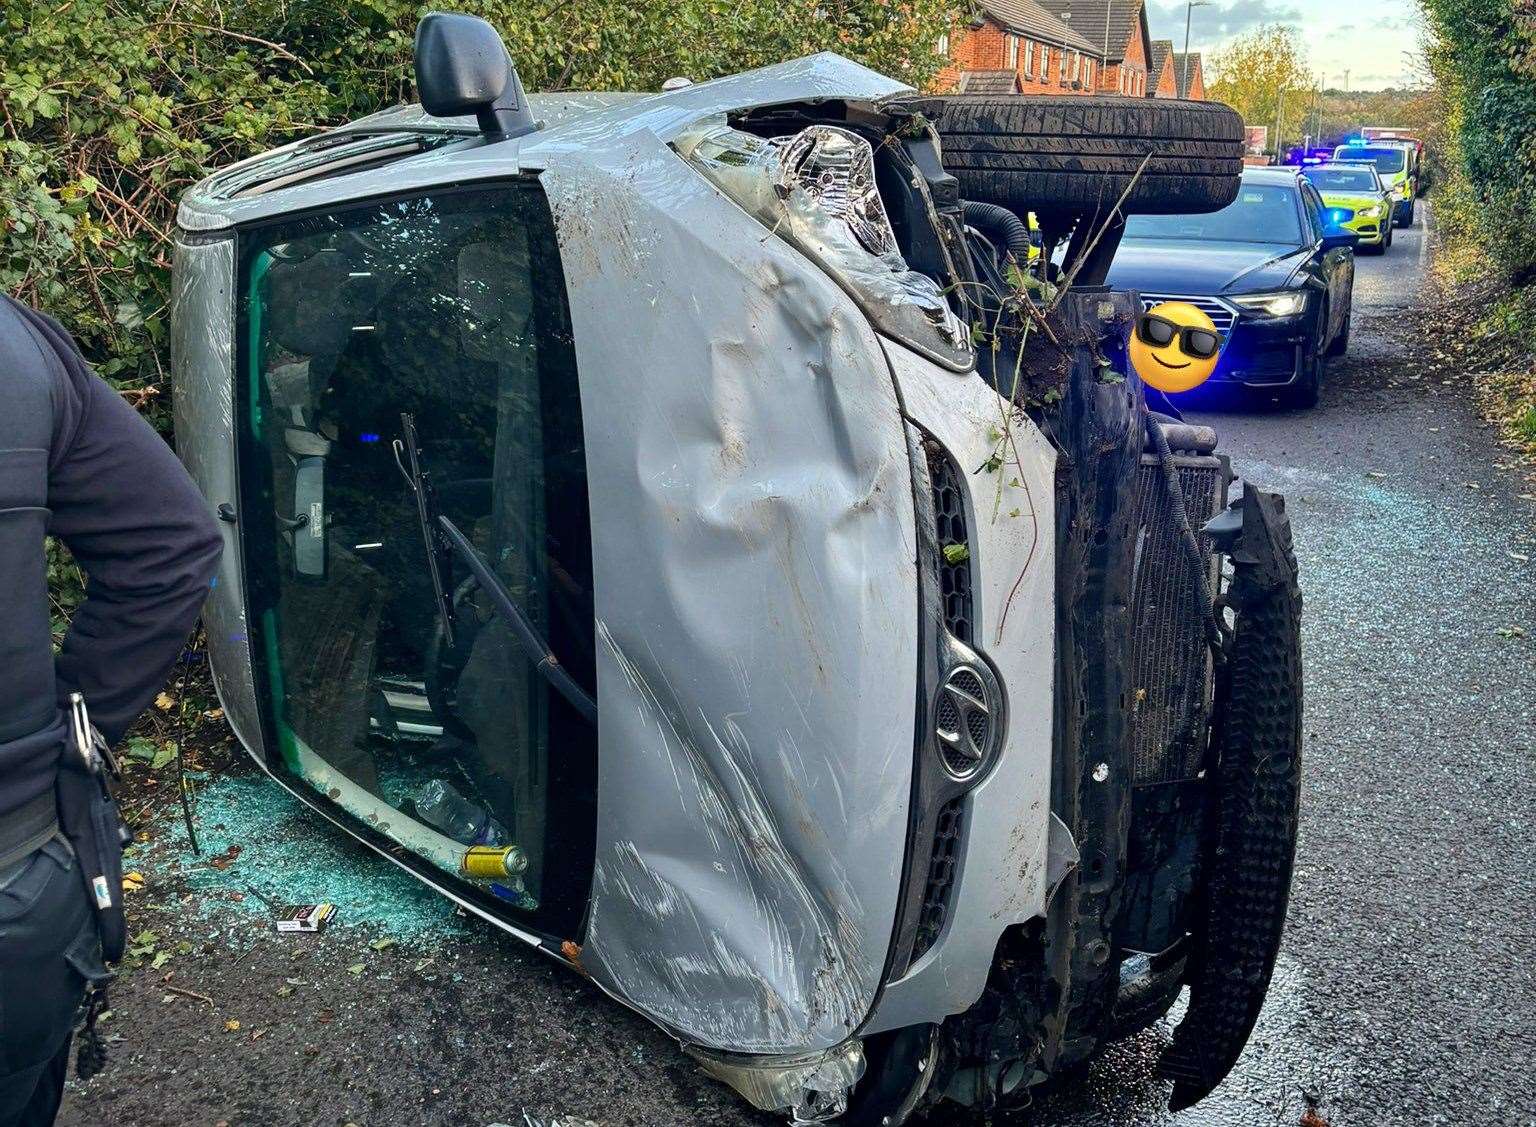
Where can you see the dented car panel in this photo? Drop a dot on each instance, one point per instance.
(756, 611)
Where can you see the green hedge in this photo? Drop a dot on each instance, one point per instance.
(1483, 57)
(108, 111)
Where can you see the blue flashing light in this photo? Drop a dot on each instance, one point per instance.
(1336, 215)
(370, 437)
(1356, 141)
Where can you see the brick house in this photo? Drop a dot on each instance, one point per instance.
(1189, 75)
(1018, 47)
(1118, 30)
(1160, 79)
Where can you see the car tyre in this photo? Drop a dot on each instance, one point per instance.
(1308, 388)
(1340, 343)
(1386, 242)
(1078, 155)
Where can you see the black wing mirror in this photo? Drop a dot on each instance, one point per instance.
(1335, 237)
(463, 67)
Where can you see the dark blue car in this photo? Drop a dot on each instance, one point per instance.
(1277, 281)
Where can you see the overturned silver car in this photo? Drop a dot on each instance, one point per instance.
(703, 534)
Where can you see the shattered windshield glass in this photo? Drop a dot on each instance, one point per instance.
(406, 362)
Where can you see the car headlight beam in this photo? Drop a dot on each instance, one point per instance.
(1282, 303)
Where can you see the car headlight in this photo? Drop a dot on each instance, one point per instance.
(816, 189)
(1370, 211)
(1283, 303)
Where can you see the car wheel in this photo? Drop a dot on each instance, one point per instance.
(1340, 343)
(1386, 243)
(1308, 388)
(1074, 155)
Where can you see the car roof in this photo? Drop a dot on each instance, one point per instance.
(1341, 165)
(1271, 174)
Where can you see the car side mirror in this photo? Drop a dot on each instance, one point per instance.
(463, 67)
(1335, 237)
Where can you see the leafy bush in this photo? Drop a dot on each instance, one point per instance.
(1483, 57)
(109, 110)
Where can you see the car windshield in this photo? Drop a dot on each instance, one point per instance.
(1385, 160)
(426, 333)
(1342, 179)
(1262, 213)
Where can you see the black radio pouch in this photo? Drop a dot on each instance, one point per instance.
(88, 817)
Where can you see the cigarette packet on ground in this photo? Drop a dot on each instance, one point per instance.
(305, 917)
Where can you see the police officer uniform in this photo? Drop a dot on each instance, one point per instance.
(79, 464)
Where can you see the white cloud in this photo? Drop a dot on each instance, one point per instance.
(1371, 39)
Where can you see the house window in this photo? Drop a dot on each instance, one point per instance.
(1029, 59)
(1013, 52)
(1045, 63)
(1077, 66)
(1088, 74)
(942, 47)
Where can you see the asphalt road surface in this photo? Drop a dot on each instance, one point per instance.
(1406, 993)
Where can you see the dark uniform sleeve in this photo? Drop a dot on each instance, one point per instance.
(137, 525)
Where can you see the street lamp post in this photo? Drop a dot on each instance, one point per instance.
(1189, 8)
(1108, 6)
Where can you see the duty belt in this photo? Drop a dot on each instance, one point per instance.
(23, 831)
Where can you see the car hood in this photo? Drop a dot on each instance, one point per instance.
(1201, 267)
(1353, 200)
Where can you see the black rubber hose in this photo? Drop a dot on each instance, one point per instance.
(1000, 225)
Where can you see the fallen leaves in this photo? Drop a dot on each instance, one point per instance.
(133, 882)
(231, 1026)
(223, 861)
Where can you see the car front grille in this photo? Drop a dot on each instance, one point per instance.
(954, 544)
(941, 877)
(1221, 314)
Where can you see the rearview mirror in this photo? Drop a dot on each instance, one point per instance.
(463, 67)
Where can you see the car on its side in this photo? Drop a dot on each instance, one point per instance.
(1397, 164)
(1356, 200)
(1275, 278)
(756, 709)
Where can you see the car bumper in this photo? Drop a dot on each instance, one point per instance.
(1267, 352)
(1372, 230)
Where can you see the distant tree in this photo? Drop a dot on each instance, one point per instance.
(1264, 70)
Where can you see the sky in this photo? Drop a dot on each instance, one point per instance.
(1374, 40)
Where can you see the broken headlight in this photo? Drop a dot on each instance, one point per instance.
(817, 189)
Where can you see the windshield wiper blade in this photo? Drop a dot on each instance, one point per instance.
(420, 481)
(532, 642)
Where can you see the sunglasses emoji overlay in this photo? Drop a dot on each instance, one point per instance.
(1174, 346)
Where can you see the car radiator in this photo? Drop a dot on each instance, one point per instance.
(1170, 661)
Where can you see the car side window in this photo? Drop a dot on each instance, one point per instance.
(1312, 204)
